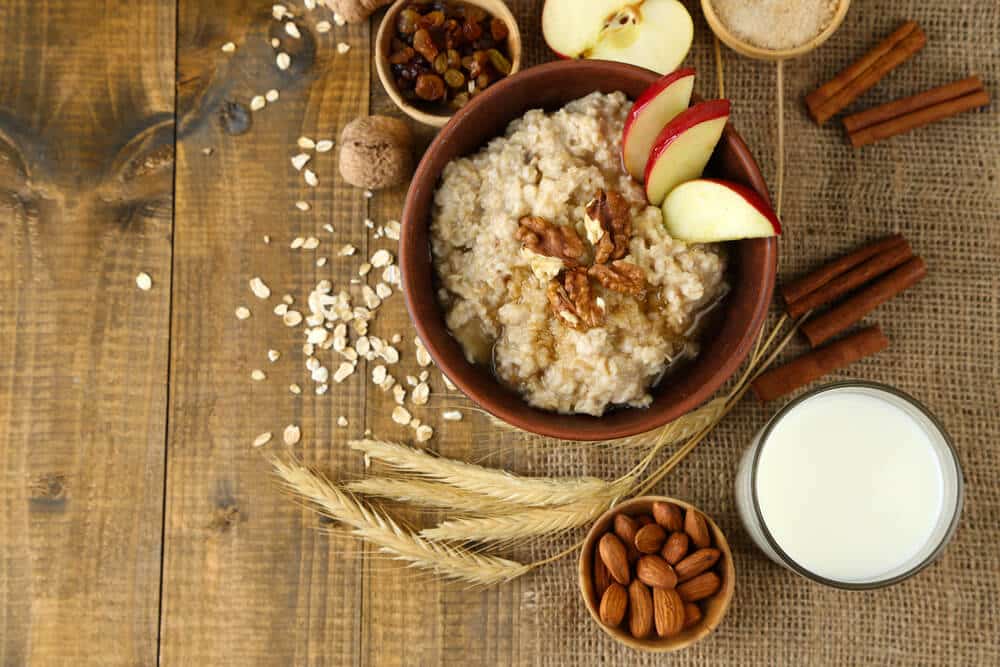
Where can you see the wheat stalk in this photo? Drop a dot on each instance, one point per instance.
(377, 528)
(427, 494)
(498, 484)
(526, 524)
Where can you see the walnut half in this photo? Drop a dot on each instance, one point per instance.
(620, 276)
(611, 211)
(572, 300)
(545, 238)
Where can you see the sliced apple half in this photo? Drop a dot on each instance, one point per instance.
(655, 34)
(656, 107)
(707, 210)
(684, 147)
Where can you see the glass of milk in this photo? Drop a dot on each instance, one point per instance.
(854, 485)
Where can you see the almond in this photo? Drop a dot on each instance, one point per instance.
(695, 526)
(696, 563)
(656, 572)
(699, 588)
(692, 614)
(675, 548)
(668, 611)
(640, 603)
(613, 554)
(650, 539)
(614, 602)
(625, 528)
(668, 515)
(602, 578)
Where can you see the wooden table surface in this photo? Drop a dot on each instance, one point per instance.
(137, 525)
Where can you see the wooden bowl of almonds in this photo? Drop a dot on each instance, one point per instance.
(656, 574)
(433, 57)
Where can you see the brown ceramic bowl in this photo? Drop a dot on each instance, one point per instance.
(713, 609)
(724, 345)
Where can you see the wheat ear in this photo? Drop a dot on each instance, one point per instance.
(498, 484)
(510, 529)
(377, 528)
(427, 494)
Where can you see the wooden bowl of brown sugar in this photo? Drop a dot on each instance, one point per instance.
(754, 32)
(383, 50)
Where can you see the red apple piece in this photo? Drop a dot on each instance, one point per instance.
(655, 34)
(684, 147)
(656, 107)
(708, 210)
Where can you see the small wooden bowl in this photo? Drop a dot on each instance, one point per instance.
(714, 609)
(383, 43)
(752, 51)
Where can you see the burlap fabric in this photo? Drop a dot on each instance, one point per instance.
(939, 187)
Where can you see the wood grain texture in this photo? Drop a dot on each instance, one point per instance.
(86, 168)
(248, 577)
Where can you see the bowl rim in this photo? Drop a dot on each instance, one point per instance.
(596, 429)
(496, 7)
(706, 626)
(741, 46)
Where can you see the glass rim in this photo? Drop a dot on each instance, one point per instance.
(879, 583)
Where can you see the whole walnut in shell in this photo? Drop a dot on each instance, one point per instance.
(376, 152)
(356, 11)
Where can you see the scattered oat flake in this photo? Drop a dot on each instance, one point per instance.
(347, 250)
(420, 394)
(272, 95)
(310, 243)
(423, 376)
(293, 30)
(258, 375)
(364, 269)
(343, 371)
(383, 291)
(208, 150)
(292, 318)
(311, 179)
(343, 48)
(144, 281)
(379, 374)
(392, 275)
(322, 389)
(321, 262)
(273, 355)
(369, 223)
(300, 160)
(401, 415)
(257, 103)
(302, 205)
(305, 143)
(392, 229)
(396, 339)
(415, 423)
(342, 421)
(281, 309)
(291, 435)
(283, 60)
(324, 146)
(242, 313)
(259, 289)
(288, 299)
(399, 394)
(295, 389)
(262, 439)
(423, 356)
(452, 415)
(278, 11)
(228, 47)
(323, 27)
(328, 227)
(275, 42)
(296, 243)
(338, 19)
(267, 239)
(411, 380)
(381, 258)
(369, 194)
(390, 354)
(424, 433)
(448, 383)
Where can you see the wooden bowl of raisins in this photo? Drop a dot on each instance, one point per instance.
(433, 56)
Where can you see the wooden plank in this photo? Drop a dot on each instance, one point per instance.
(248, 578)
(86, 180)
(457, 626)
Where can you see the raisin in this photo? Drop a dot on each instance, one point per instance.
(499, 62)
(402, 56)
(454, 78)
(430, 87)
(424, 45)
(498, 30)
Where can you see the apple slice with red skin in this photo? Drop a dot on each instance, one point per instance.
(657, 106)
(655, 34)
(708, 210)
(684, 147)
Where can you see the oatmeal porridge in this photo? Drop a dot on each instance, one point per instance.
(556, 272)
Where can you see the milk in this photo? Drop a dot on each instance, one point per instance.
(853, 485)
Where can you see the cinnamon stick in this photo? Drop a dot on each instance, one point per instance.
(814, 365)
(871, 76)
(912, 121)
(829, 324)
(916, 102)
(854, 70)
(856, 277)
(799, 288)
